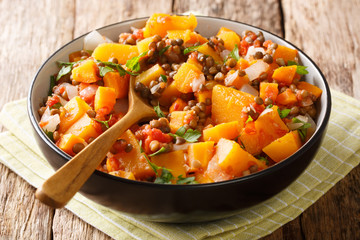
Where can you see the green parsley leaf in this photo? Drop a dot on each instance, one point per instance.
(134, 64)
(162, 51)
(299, 68)
(261, 158)
(165, 178)
(118, 67)
(191, 49)
(192, 135)
(250, 119)
(303, 129)
(63, 71)
(269, 106)
(188, 180)
(52, 84)
(163, 78)
(106, 123)
(181, 131)
(158, 111)
(283, 113)
(235, 53)
(161, 150)
(49, 134)
(105, 70)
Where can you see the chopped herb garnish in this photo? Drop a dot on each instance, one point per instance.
(189, 135)
(284, 112)
(118, 67)
(299, 68)
(188, 180)
(106, 123)
(52, 84)
(191, 49)
(49, 134)
(63, 71)
(269, 106)
(105, 70)
(165, 177)
(263, 159)
(162, 51)
(235, 53)
(302, 129)
(158, 111)
(161, 150)
(56, 105)
(250, 119)
(134, 64)
(163, 78)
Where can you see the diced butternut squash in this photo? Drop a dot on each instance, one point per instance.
(283, 147)
(232, 158)
(143, 45)
(207, 50)
(185, 76)
(286, 98)
(105, 99)
(216, 173)
(242, 64)
(119, 83)
(230, 101)
(186, 35)
(123, 174)
(174, 161)
(199, 155)
(201, 97)
(285, 75)
(194, 61)
(75, 109)
(151, 74)
(86, 72)
(177, 105)
(229, 130)
(233, 79)
(122, 52)
(269, 90)
(314, 90)
(177, 119)
(169, 92)
(264, 130)
(67, 141)
(229, 37)
(84, 128)
(134, 161)
(159, 24)
(285, 53)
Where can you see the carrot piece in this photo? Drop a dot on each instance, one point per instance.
(119, 83)
(269, 90)
(314, 90)
(283, 147)
(86, 72)
(285, 75)
(286, 98)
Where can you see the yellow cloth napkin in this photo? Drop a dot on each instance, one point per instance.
(338, 154)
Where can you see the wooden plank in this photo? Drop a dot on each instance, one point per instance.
(331, 38)
(262, 14)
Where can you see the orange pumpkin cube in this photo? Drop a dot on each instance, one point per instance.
(229, 130)
(67, 142)
(314, 90)
(119, 83)
(177, 120)
(151, 74)
(200, 152)
(207, 50)
(75, 109)
(283, 147)
(143, 45)
(269, 90)
(285, 75)
(185, 76)
(174, 161)
(177, 105)
(159, 24)
(105, 99)
(285, 53)
(122, 52)
(84, 128)
(286, 98)
(169, 92)
(229, 37)
(86, 72)
(233, 79)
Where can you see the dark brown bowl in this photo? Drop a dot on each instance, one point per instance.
(182, 203)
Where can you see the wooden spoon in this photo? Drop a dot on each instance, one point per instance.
(57, 190)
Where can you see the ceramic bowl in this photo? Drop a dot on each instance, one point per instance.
(182, 203)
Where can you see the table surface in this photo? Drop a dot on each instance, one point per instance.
(328, 31)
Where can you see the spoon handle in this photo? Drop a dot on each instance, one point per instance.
(57, 190)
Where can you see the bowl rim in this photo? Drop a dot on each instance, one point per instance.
(314, 138)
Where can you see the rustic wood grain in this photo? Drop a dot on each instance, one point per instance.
(328, 31)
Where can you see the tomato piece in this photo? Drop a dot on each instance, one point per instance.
(52, 100)
(88, 94)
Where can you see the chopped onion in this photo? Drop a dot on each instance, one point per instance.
(252, 50)
(302, 118)
(93, 39)
(293, 126)
(181, 146)
(256, 69)
(71, 91)
(49, 122)
(306, 102)
(63, 102)
(224, 54)
(249, 89)
(230, 78)
(197, 82)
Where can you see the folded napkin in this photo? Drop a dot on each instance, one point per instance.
(338, 154)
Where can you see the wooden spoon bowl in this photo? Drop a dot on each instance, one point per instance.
(58, 189)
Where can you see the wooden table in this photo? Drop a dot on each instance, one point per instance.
(328, 31)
